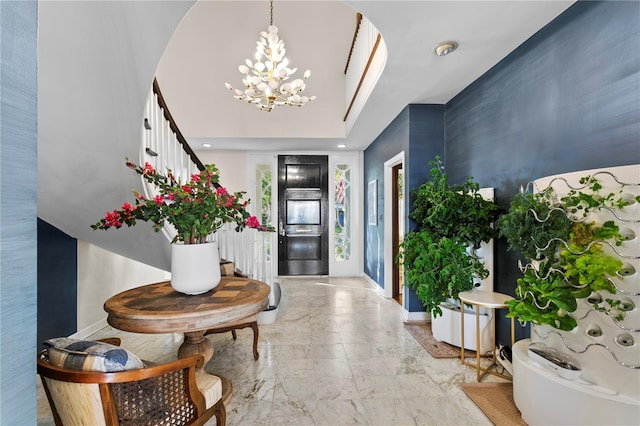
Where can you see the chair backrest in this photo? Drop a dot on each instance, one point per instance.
(74, 403)
(142, 397)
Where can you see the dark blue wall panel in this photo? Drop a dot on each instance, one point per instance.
(568, 99)
(57, 283)
(418, 131)
(18, 206)
(426, 141)
(393, 140)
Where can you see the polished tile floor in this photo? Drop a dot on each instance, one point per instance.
(338, 354)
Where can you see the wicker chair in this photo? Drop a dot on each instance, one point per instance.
(157, 395)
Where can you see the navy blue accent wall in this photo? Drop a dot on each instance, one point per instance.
(18, 205)
(57, 283)
(426, 141)
(393, 140)
(568, 99)
(418, 131)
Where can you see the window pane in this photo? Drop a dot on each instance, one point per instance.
(342, 231)
(303, 212)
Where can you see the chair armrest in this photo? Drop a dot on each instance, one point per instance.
(192, 362)
(57, 373)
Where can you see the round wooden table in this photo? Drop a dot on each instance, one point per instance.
(158, 308)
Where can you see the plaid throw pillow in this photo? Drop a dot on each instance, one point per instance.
(85, 355)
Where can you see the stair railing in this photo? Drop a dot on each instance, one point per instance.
(164, 146)
(365, 63)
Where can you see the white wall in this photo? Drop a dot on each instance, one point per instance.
(101, 274)
(232, 166)
(96, 62)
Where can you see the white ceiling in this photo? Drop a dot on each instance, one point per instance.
(217, 36)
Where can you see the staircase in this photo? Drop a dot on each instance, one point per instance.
(164, 146)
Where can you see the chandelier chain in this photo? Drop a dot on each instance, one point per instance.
(271, 12)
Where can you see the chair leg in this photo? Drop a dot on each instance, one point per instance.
(254, 327)
(233, 328)
(220, 413)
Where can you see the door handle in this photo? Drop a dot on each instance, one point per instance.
(281, 226)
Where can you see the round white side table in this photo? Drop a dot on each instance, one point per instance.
(490, 300)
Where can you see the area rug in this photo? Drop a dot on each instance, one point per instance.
(422, 333)
(496, 402)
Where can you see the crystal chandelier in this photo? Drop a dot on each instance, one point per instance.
(265, 80)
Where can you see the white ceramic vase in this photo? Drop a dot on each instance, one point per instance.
(195, 268)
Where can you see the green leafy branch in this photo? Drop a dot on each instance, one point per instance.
(438, 269)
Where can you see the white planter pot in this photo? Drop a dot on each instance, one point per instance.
(195, 268)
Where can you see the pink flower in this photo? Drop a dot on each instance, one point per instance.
(182, 205)
(252, 222)
(112, 219)
(148, 169)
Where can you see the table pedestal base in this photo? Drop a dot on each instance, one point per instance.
(196, 344)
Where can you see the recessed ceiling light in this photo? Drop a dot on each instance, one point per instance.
(206, 145)
(446, 47)
(342, 145)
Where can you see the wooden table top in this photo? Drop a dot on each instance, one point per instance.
(158, 308)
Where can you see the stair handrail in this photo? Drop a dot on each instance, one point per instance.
(174, 127)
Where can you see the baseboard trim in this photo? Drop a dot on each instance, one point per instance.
(415, 316)
(88, 331)
(374, 285)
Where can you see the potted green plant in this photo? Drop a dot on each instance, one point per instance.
(438, 269)
(195, 209)
(439, 255)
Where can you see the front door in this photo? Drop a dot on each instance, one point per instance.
(303, 231)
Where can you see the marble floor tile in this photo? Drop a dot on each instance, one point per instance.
(337, 354)
(387, 411)
(337, 412)
(298, 389)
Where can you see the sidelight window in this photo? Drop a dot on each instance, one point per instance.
(342, 231)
